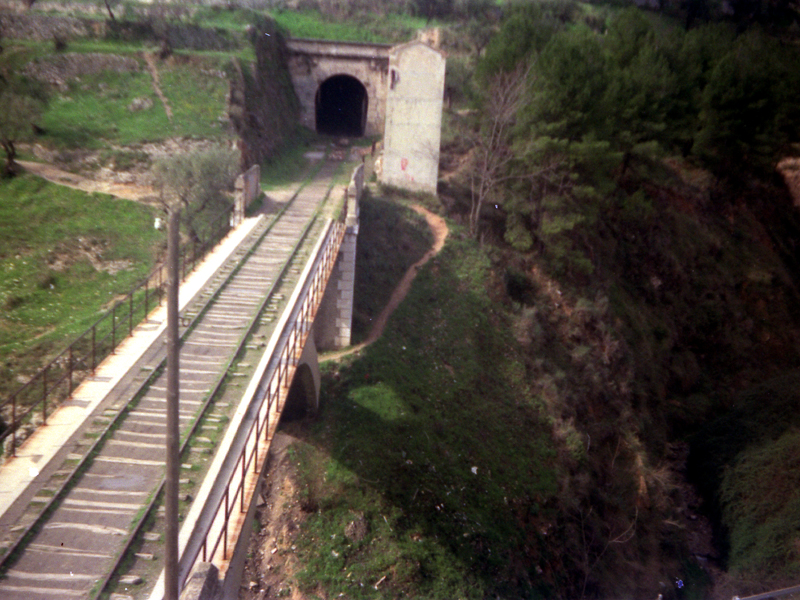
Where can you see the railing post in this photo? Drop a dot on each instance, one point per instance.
(94, 352)
(130, 316)
(244, 474)
(225, 528)
(146, 299)
(255, 442)
(44, 394)
(113, 328)
(266, 417)
(70, 371)
(14, 426)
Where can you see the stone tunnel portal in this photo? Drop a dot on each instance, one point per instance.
(341, 106)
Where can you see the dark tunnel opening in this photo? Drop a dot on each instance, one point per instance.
(341, 106)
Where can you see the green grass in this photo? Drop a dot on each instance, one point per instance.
(391, 225)
(391, 28)
(49, 290)
(94, 111)
(290, 164)
(196, 93)
(427, 439)
(223, 18)
(102, 46)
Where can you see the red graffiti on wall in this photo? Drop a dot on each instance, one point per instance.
(403, 163)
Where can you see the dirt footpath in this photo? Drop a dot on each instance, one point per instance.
(128, 191)
(440, 232)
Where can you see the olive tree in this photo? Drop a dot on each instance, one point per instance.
(199, 183)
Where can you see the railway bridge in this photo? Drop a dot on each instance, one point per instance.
(80, 501)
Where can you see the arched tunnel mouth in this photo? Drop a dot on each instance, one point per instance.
(341, 106)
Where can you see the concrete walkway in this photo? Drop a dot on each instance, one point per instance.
(18, 473)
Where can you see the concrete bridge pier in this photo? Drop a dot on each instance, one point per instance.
(333, 326)
(334, 322)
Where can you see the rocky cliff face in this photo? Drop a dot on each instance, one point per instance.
(263, 106)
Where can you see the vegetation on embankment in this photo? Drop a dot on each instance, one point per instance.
(109, 106)
(470, 444)
(65, 256)
(428, 438)
(520, 436)
(389, 249)
(636, 165)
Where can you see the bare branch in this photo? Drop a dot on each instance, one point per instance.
(494, 156)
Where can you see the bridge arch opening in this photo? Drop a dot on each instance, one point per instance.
(341, 106)
(301, 402)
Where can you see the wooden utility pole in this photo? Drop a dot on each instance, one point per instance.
(171, 584)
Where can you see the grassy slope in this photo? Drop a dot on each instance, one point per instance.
(85, 118)
(390, 28)
(430, 435)
(49, 290)
(384, 255)
(41, 224)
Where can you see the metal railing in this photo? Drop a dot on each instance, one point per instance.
(258, 436)
(773, 594)
(58, 379)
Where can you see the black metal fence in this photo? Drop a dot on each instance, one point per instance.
(45, 391)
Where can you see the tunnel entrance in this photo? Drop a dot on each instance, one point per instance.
(341, 106)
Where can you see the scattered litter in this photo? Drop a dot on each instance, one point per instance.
(474, 470)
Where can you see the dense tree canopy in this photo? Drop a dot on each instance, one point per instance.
(598, 107)
(626, 134)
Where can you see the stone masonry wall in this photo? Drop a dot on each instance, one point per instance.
(334, 322)
(154, 28)
(263, 105)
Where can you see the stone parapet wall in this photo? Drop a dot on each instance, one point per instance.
(203, 584)
(156, 26)
(44, 27)
(354, 190)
